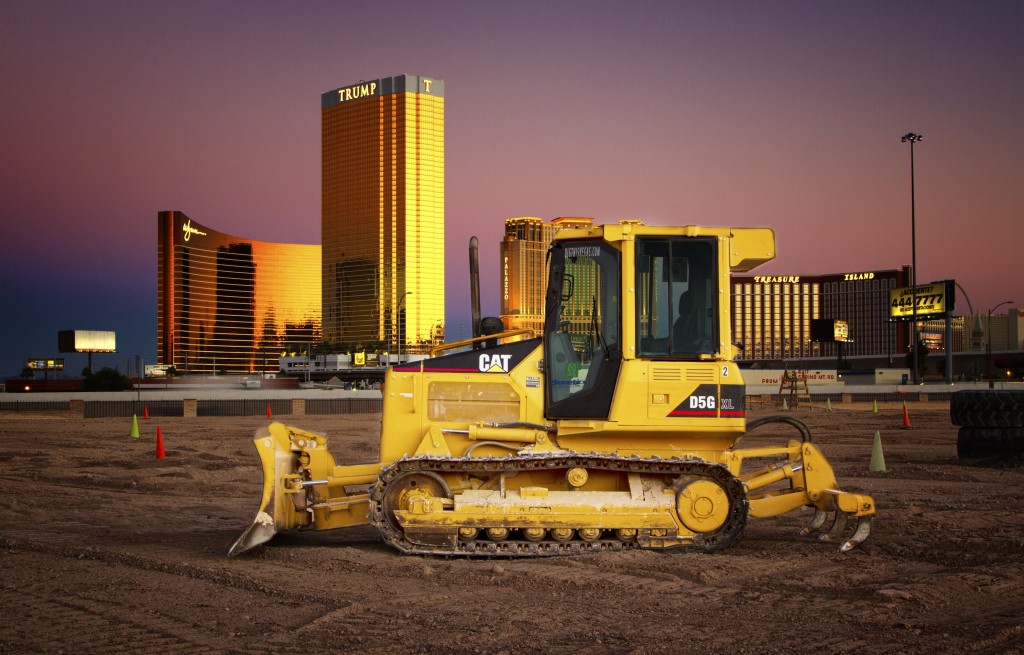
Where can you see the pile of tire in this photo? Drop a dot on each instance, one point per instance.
(991, 423)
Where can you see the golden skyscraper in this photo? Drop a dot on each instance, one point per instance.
(383, 213)
(226, 304)
(524, 272)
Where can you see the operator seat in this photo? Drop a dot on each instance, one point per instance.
(688, 331)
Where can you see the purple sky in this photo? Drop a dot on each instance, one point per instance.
(779, 114)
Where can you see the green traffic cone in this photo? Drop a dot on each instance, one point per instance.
(877, 458)
(874, 406)
(828, 404)
(135, 427)
(785, 405)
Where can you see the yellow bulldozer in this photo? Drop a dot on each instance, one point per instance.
(616, 428)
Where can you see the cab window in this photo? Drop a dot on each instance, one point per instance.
(677, 307)
(582, 318)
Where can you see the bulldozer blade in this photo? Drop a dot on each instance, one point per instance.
(819, 520)
(859, 535)
(261, 531)
(277, 461)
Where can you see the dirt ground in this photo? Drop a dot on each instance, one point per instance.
(105, 549)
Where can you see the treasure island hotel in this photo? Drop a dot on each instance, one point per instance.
(231, 305)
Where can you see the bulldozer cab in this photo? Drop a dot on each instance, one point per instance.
(673, 283)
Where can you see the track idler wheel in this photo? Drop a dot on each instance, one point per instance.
(703, 505)
(715, 508)
(405, 489)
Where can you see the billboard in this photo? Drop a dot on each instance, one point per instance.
(933, 300)
(830, 330)
(86, 341)
(40, 364)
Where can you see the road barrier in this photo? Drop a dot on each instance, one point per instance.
(191, 407)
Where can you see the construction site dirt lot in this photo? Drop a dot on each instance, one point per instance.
(106, 549)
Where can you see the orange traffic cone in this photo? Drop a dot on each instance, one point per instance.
(145, 411)
(906, 416)
(269, 414)
(160, 454)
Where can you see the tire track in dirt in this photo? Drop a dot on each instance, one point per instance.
(87, 626)
(124, 559)
(78, 598)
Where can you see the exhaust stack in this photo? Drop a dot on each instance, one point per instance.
(474, 283)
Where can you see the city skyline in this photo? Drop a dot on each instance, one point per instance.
(785, 116)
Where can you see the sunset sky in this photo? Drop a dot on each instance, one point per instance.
(780, 114)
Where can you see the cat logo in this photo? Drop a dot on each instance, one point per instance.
(494, 363)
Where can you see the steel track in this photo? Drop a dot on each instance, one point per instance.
(674, 467)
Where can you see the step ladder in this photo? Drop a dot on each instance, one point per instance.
(793, 388)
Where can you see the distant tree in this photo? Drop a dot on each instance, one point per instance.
(107, 379)
(27, 373)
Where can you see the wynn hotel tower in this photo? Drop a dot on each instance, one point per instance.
(382, 215)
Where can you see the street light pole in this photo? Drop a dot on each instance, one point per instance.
(913, 138)
(398, 323)
(988, 341)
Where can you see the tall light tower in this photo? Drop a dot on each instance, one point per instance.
(913, 138)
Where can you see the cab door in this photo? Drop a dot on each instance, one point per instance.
(582, 352)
